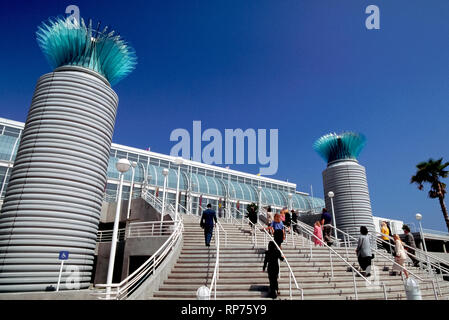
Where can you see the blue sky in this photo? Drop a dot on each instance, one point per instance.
(306, 68)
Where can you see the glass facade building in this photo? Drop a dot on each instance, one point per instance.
(199, 183)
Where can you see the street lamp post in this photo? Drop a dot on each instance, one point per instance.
(133, 166)
(418, 217)
(179, 161)
(290, 196)
(122, 166)
(331, 195)
(165, 173)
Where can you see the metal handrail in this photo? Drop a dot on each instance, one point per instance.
(149, 229)
(339, 256)
(106, 235)
(123, 289)
(157, 203)
(292, 275)
(431, 265)
(395, 263)
(310, 228)
(418, 250)
(213, 283)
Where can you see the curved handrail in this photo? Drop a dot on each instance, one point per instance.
(431, 265)
(213, 283)
(394, 263)
(132, 282)
(339, 256)
(422, 252)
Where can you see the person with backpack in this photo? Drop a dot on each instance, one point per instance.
(277, 230)
(272, 257)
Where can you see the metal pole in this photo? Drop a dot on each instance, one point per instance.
(60, 274)
(346, 245)
(355, 285)
(332, 264)
(333, 218)
(177, 193)
(130, 193)
(114, 238)
(310, 240)
(424, 245)
(163, 200)
(290, 285)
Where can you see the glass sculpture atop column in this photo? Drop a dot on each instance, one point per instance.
(54, 197)
(347, 179)
(67, 42)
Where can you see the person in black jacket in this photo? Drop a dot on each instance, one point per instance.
(272, 255)
(207, 223)
(288, 220)
(295, 220)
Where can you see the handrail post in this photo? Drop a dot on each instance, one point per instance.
(311, 253)
(347, 245)
(355, 286)
(303, 238)
(290, 286)
(385, 291)
(434, 290)
(332, 265)
(291, 236)
(265, 240)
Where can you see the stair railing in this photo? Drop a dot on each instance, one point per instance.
(292, 277)
(428, 256)
(332, 251)
(213, 283)
(387, 256)
(432, 267)
(106, 235)
(215, 277)
(131, 283)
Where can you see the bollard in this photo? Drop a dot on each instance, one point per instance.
(412, 290)
(203, 293)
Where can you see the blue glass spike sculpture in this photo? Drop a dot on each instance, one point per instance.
(69, 42)
(334, 146)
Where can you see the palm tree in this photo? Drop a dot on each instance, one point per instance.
(431, 172)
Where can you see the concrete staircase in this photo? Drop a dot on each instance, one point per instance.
(241, 275)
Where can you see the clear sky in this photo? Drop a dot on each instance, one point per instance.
(306, 68)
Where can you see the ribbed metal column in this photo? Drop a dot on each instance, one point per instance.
(54, 196)
(347, 179)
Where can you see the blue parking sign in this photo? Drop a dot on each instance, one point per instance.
(63, 255)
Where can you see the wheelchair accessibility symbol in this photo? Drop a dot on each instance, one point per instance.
(63, 255)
